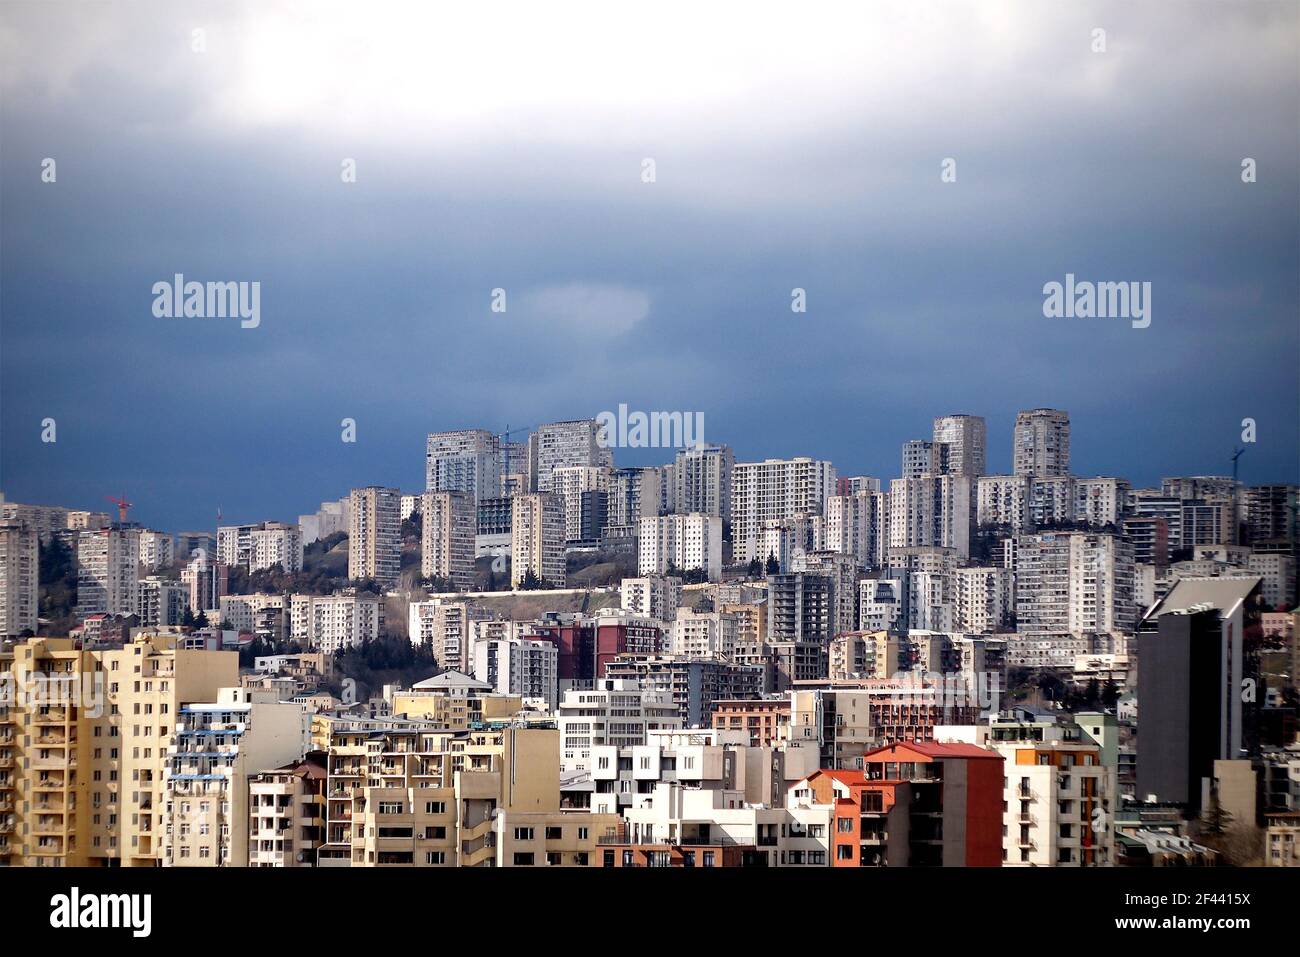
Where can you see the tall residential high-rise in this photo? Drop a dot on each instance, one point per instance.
(634, 494)
(702, 480)
(1041, 443)
(570, 482)
(920, 457)
(537, 539)
(774, 489)
(1074, 583)
(19, 579)
(108, 570)
(858, 524)
(931, 510)
(468, 460)
(961, 441)
(450, 521)
(276, 543)
(514, 468)
(560, 444)
(374, 534)
(89, 791)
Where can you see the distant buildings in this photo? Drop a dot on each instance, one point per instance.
(469, 461)
(108, 571)
(537, 539)
(774, 489)
(448, 528)
(19, 579)
(680, 543)
(702, 477)
(1041, 443)
(564, 444)
(374, 535)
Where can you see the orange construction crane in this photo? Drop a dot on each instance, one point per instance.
(122, 505)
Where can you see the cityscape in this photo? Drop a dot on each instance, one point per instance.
(729, 443)
(542, 659)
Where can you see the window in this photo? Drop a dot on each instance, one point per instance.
(524, 834)
(435, 857)
(435, 807)
(554, 833)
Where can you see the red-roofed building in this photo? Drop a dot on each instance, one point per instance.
(914, 805)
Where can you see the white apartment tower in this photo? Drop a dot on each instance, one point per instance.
(108, 571)
(374, 534)
(450, 521)
(857, 524)
(774, 489)
(468, 460)
(569, 482)
(683, 542)
(932, 510)
(1041, 443)
(560, 444)
(537, 538)
(276, 543)
(1074, 583)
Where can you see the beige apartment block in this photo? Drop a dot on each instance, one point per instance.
(83, 745)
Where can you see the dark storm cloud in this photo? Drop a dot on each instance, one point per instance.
(791, 152)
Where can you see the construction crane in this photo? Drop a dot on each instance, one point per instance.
(122, 506)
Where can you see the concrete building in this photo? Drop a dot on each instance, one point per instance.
(616, 713)
(162, 603)
(83, 744)
(331, 623)
(468, 461)
(275, 543)
(157, 549)
(563, 444)
(693, 684)
(858, 524)
(961, 442)
(537, 539)
(1060, 803)
(571, 483)
(1074, 583)
(446, 625)
(702, 480)
(1102, 500)
(654, 596)
(634, 494)
(774, 489)
(1041, 443)
(931, 510)
(286, 813)
(983, 599)
(523, 667)
(213, 751)
(19, 579)
(108, 561)
(374, 535)
(680, 543)
(449, 525)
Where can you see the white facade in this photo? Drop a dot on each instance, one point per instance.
(467, 461)
(774, 489)
(961, 441)
(374, 535)
(331, 623)
(982, 598)
(705, 634)
(569, 482)
(157, 549)
(276, 543)
(616, 712)
(108, 571)
(857, 525)
(932, 510)
(655, 596)
(684, 542)
(702, 480)
(528, 668)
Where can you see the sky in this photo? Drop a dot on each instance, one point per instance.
(503, 146)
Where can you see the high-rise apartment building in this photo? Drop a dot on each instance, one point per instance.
(774, 489)
(537, 539)
(449, 524)
(374, 535)
(932, 510)
(564, 444)
(108, 578)
(468, 460)
(83, 759)
(157, 549)
(702, 480)
(1074, 583)
(524, 667)
(331, 623)
(681, 542)
(275, 543)
(634, 494)
(570, 482)
(920, 457)
(19, 579)
(857, 524)
(961, 442)
(1041, 443)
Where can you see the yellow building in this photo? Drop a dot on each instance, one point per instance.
(83, 742)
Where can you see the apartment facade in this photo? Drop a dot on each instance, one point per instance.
(771, 490)
(449, 525)
(374, 535)
(19, 579)
(537, 539)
